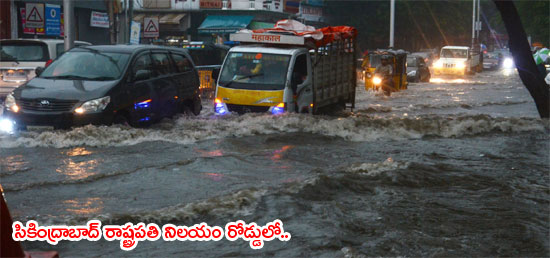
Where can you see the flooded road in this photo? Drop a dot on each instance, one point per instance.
(448, 168)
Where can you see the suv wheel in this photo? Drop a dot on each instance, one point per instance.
(193, 107)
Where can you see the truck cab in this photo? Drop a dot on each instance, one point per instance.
(277, 72)
(258, 78)
(456, 60)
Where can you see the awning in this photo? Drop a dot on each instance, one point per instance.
(260, 25)
(139, 18)
(224, 23)
(173, 18)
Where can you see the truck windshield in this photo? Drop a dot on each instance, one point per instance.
(454, 53)
(255, 71)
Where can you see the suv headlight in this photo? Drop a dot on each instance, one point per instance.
(93, 105)
(461, 65)
(10, 103)
(438, 64)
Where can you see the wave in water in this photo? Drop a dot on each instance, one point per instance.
(186, 130)
(240, 203)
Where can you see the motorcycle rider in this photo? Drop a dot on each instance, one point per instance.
(385, 72)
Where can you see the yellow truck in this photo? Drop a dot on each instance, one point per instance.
(277, 72)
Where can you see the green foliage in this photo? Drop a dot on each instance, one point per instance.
(431, 24)
(535, 17)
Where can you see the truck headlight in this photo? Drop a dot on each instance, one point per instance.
(93, 105)
(220, 107)
(376, 80)
(279, 109)
(460, 65)
(508, 63)
(10, 103)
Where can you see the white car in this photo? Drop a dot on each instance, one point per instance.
(457, 60)
(20, 57)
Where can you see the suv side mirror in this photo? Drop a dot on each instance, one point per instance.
(141, 75)
(39, 70)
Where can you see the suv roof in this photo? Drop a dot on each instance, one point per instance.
(128, 48)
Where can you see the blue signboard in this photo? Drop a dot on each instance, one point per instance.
(53, 19)
(134, 33)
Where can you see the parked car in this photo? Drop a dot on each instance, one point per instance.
(124, 84)
(20, 57)
(417, 70)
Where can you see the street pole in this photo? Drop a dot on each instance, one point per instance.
(131, 18)
(69, 24)
(111, 14)
(478, 23)
(13, 22)
(392, 21)
(473, 22)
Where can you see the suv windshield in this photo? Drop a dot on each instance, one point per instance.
(87, 65)
(255, 71)
(24, 51)
(454, 53)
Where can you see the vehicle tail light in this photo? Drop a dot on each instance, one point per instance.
(48, 62)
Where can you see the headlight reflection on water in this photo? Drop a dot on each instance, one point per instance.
(442, 80)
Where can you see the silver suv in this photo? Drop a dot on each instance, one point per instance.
(20, 57)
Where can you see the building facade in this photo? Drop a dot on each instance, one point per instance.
(85, 27)
(214, 20)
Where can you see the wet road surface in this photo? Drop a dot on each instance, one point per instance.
(448, 168)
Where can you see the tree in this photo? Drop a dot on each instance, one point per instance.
(530, 76)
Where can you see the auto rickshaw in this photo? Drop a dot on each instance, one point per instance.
(398, 60)
(208, 58)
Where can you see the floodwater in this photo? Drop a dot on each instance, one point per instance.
(449, 168)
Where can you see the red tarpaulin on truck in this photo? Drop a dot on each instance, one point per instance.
(320, 36)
